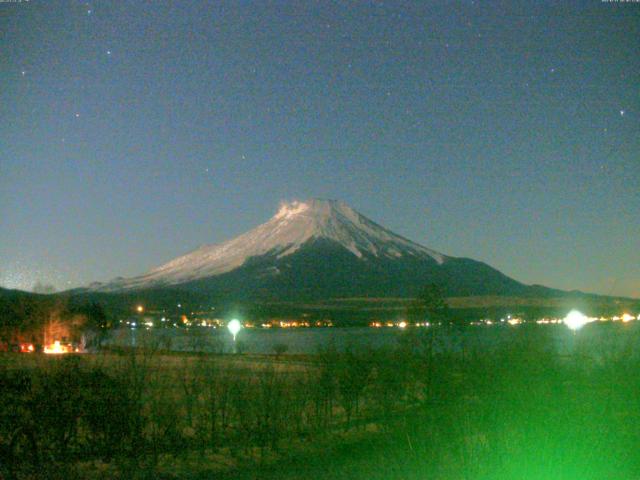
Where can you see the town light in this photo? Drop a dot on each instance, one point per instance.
(627, 317)
(139, 309)
(575, 320)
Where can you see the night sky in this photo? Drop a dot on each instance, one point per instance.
(508, 132)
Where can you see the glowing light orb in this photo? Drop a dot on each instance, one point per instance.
(575, 320)
(627, 317)
(234, 327)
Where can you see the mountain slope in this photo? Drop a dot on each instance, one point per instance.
(323, 269)
(319, 249)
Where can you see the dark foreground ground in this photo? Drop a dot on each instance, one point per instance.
(520, 411)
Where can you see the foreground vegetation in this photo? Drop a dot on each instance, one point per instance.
(414, 411)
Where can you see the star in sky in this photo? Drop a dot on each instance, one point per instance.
(622, 113)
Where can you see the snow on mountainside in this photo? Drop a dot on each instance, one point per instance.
(294, 225)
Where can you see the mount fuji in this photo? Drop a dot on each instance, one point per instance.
(318, 249)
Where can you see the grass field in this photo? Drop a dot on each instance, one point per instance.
(520, 411)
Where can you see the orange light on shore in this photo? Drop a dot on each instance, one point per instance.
(27, 348)
(139, 309)
(57, 348)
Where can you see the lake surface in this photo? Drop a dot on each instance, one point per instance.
(599, 338)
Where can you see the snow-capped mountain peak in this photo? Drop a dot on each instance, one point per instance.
(289, 209)
(294, 225)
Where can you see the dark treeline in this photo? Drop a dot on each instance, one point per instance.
(23, 311)
(420, 411)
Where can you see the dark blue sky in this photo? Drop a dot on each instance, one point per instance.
(508, 132)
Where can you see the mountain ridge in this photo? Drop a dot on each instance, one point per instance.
(319, 249)
(294, 224)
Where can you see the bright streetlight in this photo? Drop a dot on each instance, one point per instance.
(575, 320)
(234, 327)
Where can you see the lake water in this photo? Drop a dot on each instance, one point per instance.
(603, 339)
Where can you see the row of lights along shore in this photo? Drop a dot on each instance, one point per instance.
(574, 320)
